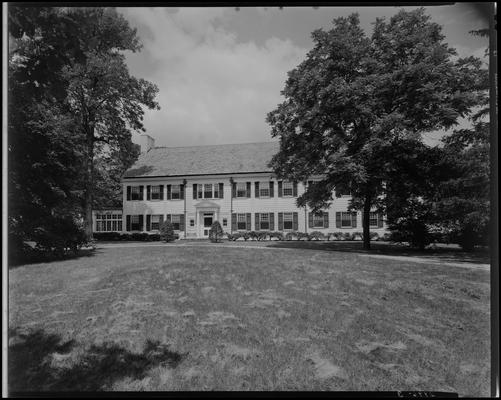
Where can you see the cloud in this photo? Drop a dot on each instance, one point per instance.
(213, 88)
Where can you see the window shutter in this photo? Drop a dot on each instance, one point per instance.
(181, 222)
(256, 189)
(353, 219)
(294, 189)
(169, 192)
(148, 222)
(280, 221)
(141, 192)
(148, 192)
(248, 224)
(168, 217)
(279, 188)
(379, 220)
(128, 192)
(161, 192)
(326, 219)
(294, 221)
(161, 220)
(248, 189)
(272, 221)
(181, 192)
(271, 188)
(127, 223)
(233, 222)
(194, 191)
(221, 190)
(257, 227)
(234, 190)
(338, 219)
(310, 220)
(141, 222)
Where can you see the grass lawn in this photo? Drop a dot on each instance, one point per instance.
(220, 318)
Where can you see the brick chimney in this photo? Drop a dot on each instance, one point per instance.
(146, 142)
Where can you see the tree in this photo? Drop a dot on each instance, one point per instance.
(216, 232)
(167, 231)
(356, 97)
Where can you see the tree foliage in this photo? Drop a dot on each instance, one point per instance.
(355, 99)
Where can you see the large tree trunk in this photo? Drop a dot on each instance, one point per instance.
(366, 222)
(89, 185)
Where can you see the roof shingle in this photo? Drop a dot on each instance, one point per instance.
(204, 160)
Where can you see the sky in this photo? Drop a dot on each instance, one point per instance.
(220, 70)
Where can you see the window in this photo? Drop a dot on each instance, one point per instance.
(134, 223)
(346, 220)
(318, 220)
(287, 188)
(155, 193)
(108, 222)
(134, 193)
(242, 190)
(264, 189)
(192, 222)
(208, 191)
(176, 221)
(241, 221)
(264, 221)
(373, 219)
(288, 220)
(175, 192)
(155, 222)
(225, 222)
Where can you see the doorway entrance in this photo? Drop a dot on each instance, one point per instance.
(207, 220)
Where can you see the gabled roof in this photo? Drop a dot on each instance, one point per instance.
(204, 160)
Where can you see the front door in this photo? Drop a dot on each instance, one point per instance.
(207, 219)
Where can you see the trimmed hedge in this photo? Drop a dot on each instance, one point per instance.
(136, 236)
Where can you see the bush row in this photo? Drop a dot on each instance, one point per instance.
(316, 235)
(136, 236)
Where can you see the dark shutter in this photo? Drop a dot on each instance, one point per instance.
(161, 220)
(279, 188)
(181, 190)
(280, 221)
(194, 191)
(169, 196)
(379, 220)
(310, 220)
(141, 192)
(256, 227)
(148, 192)
(233, 222)
(181, 222)
(234, 190)
(128, 192)
(141, 222)
(326, 219)
(127, 222)
(168, 217)
(294, 189)
(221, 190)
(248, 189)
(272, 221)
(294, 221)
(148, 222)
(256, 189)
(353, 219)
(271, 189)
(248, 224)
(338, 219)
(161, 192)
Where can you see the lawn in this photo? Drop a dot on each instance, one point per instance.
(200, 317)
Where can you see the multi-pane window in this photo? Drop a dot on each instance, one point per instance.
(242, 189)
(108, 222)
(318, 220)
(345, 219)
(264, 221)
(175, 192)
(264, 189)
(373, 219)
(287, 188)
(176, 221)
(225, 222)
(135, 193)
(155, 222)
(288, 218)
(208, 191)
(241, 221)
(192, 222)
(134, 223)
(155, 193)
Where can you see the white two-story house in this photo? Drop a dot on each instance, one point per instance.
(194, 186)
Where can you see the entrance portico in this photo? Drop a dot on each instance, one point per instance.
(206, 213)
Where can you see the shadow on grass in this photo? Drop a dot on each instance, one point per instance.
(35, 257)
(39, 361)
(445, 254)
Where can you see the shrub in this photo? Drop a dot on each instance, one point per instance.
(347, 236)
(262, 235)
(58, 236)
(245, 235)
(167, 231)
(374, 236)
(278, 235)
(386, 237)
(357, 236)
(317, 235)
(254, 235)
(216, 232)
(290, 235)
(302, 235)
